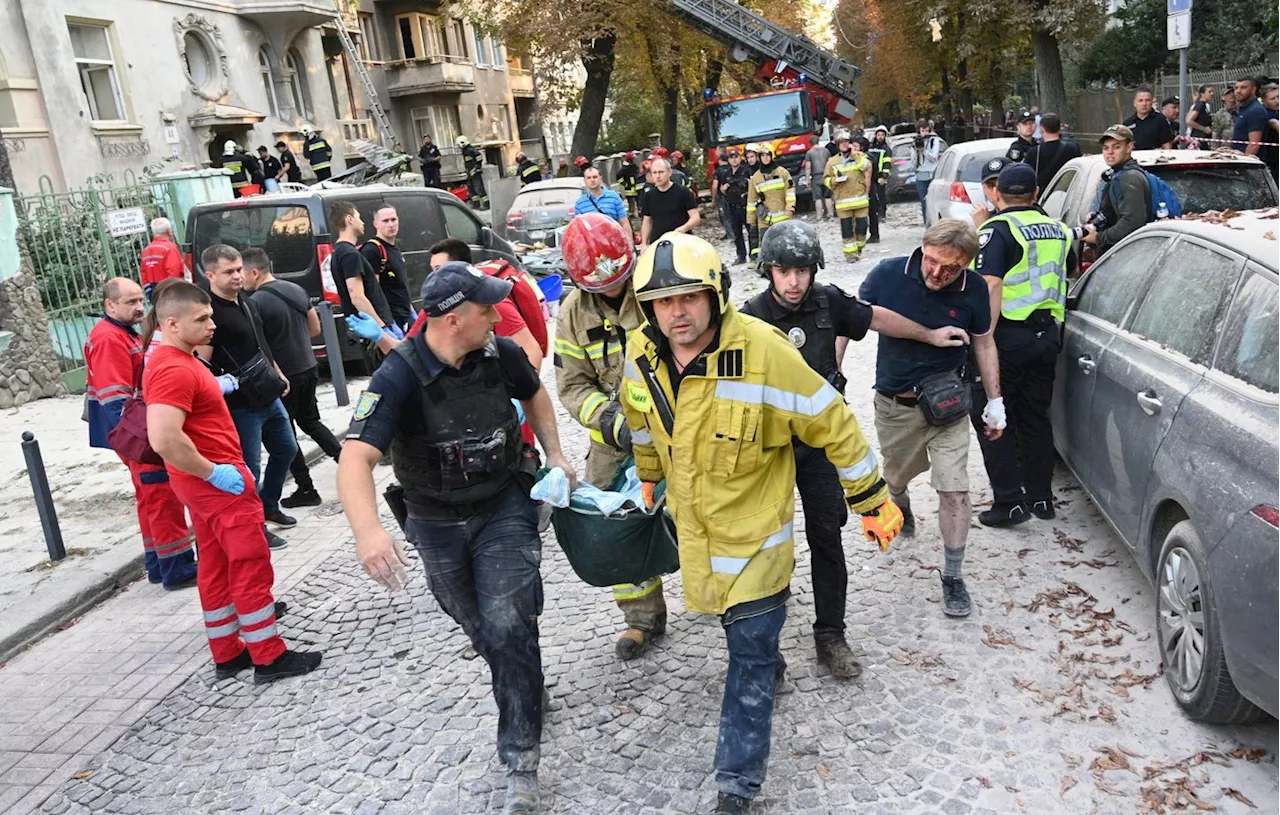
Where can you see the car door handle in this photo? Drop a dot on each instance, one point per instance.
(1149, 402)
(1086, 363)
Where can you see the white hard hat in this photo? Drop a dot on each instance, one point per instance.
(463, 141)
(228, 146)
(843, 135)
(751, 147)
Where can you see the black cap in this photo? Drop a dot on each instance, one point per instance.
(992, 168)
(455, 283)
(1026, 116)
(1172, 100)
(1017, 178)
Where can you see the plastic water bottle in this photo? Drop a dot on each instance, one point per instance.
(1162, 212)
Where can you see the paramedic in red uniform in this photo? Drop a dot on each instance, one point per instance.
(113, 360)
(189, 425)
(162, 259)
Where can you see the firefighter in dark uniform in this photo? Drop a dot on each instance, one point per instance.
(1022, 145)
(820, 319)
(235, 162)
(473, 164)
(319, 154)
(630, 179)
(881, 166)
(1025, 257)
(527, 169)
(442, 403)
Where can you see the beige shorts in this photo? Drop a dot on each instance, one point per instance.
(909, 446)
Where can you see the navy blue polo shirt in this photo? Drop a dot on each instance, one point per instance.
(393, 400)
(898, 285)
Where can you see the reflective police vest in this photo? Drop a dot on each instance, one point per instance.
(1039, 279)
(809, 328)
(471, 445)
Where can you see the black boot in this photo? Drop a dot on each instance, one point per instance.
(836, 654)
(1004, 515)
(288, 664)
(729, 804)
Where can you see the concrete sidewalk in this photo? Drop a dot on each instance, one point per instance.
(95, 507)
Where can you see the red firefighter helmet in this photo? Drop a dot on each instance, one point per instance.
(580, 161)
(660, 152)
(678, 156)
(597, 251)
(629, 155)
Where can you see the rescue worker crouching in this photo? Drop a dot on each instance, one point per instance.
(527, 169)
(771, 197)
(713, 400)
(442, 402)
(1025, 257)
(820, 319)
(849, 176)
(591, 337)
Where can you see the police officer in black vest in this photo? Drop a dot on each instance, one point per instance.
(820, 319)
(442, 402)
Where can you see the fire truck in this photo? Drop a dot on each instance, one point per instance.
(809, 86)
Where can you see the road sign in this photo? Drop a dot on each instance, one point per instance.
(1179, 30)
(1179, 6)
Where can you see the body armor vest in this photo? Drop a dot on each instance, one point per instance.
(471, 444)
(809, 328)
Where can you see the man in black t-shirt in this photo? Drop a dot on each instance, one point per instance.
(289, 164)
(1151, 130)
(666, 207)
(388, 263)
(288, 324)
(353, 276)
(271, 169)
(238, 342)
(1049, 156)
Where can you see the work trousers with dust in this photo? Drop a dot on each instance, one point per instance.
(746, 713)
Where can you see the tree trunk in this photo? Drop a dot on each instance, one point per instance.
(1053, 89)
(671, 99)
(597, 59)
(943, 128)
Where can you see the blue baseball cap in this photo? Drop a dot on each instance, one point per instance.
(456, 283)
(1017, 178)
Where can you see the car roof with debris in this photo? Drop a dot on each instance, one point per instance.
(1252, 232)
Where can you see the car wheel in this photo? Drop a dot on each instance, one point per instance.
(1189, 634)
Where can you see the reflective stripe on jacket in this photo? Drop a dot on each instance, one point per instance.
(588, 358)
(775, 193)
(729, 462)
(1039, 279)
(847, 180)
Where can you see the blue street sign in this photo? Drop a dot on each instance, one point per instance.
(1178, 6)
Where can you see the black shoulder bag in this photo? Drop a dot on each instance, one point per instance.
(944, 398)
(259, 382)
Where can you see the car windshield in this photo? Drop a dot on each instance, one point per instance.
(761, 117)
(283, 231)
(1204, 187)
(972, 164)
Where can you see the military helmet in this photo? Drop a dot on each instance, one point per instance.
(677, 263)
(790, 244)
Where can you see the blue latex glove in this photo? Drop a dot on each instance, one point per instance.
(364, 327)
(393, 331)
(228, 383)
(226, 478)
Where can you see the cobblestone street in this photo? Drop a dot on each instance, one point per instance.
(1047, 699)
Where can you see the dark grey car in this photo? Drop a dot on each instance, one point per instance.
(1165, 407)
(541, 208)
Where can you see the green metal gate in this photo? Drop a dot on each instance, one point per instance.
(73, 251)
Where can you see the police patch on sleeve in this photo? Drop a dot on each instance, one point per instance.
(366, 405)
(984, 237)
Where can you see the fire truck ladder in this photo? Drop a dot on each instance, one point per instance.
(751, 37)
(385, 130)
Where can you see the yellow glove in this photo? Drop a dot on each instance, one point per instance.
(882, 524)
(647, 487)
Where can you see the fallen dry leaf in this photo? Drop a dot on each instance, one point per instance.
(83, 774)
(1249, 753)
(1106, 714)
(1067, 783)
(1070, 761)
(823, 771)
(1239, 796)
(1067, 542)
(985, 782)
(1022, 553)
(1109, 759)
(996, 637)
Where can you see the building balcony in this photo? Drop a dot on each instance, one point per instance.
(521, 82)
(431, 75)
(288, 14)
(356, 129)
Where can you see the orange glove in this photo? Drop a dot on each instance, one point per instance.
(646, 490)
(882, 524)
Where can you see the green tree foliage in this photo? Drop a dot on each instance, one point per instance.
(1223, 33)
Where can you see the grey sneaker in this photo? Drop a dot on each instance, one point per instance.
(522, 793)
(836, 654)
(730, 804)
(955, 597)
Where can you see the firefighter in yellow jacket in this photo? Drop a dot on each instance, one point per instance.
(714, 399)
(771, 197)
(591, 337)
(848, 175)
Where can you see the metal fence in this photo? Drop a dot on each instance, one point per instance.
(79, 239)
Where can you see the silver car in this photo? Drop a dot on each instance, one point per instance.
(541, 208)
(957, 182)
(1165, 407)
